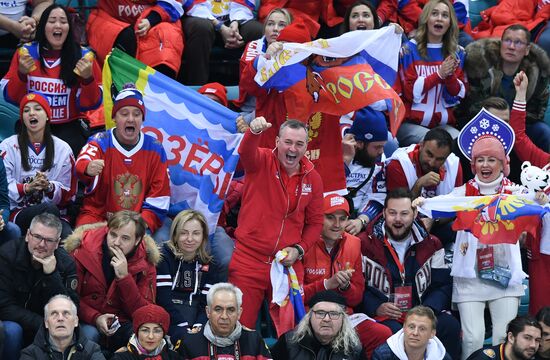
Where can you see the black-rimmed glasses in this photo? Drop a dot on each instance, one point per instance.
(332, 315)
(41, 238)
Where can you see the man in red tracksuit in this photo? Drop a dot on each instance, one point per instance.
(281, 209)
(334, 263)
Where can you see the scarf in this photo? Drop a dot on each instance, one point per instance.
(223, 341)
(142, 351)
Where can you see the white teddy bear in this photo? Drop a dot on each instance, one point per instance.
(535, 178)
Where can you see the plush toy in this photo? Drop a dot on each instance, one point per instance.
(535, 178)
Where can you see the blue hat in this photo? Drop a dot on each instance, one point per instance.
(369, 126)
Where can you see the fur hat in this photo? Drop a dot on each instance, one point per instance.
(151, 314)
(41, 100)
(129, 96)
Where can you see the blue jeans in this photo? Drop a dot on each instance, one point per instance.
(162, 234)
(221, 247)
(10, 231)
(543, 38)
(464, 38)
(391, 145)
(539, 133)
(90, 332)
(13, 340)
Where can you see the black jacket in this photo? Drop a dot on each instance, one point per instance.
(131, 354)
(309, 349)
(197, 346)
(83, 349)
(186, 302)
(24, 290)
(493, 352)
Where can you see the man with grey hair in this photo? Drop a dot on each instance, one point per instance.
(59, 338)
(325, 332)
(32, 270)
(284, 193)
(223, 334)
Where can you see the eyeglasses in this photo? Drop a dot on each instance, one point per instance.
(41, 238)
(333, 315)
(517, 43)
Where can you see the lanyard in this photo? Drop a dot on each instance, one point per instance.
(213, 352)
(400, 266)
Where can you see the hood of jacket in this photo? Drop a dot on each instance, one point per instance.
(73, 241)
(484, 54)
(434, 351)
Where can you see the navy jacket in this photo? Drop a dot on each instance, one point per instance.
(425, 269)
(187, 300)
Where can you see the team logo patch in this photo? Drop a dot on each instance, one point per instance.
(74, 284)
(128, 187)
(490, 353)
(337, 200)
(306, 188)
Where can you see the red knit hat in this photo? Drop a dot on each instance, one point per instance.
(335, 202)
(295, 32)
(151, 314)
(37, 98)
(490, 146)
(216, 89)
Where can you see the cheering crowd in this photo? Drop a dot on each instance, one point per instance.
(335, 228)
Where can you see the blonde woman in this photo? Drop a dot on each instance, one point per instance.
(432, 79)
(186, 273)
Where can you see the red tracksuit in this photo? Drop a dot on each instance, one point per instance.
(320, 265)
(277, 211)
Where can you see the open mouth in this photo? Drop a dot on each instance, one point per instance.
(57, 34)
(33, 121)
(130, 130)
(486, 174)
(290, 157)
(438, 27)
(361, 27)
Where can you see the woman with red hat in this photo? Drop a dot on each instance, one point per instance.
(151, 323)
(486, 274)
(39, 166)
